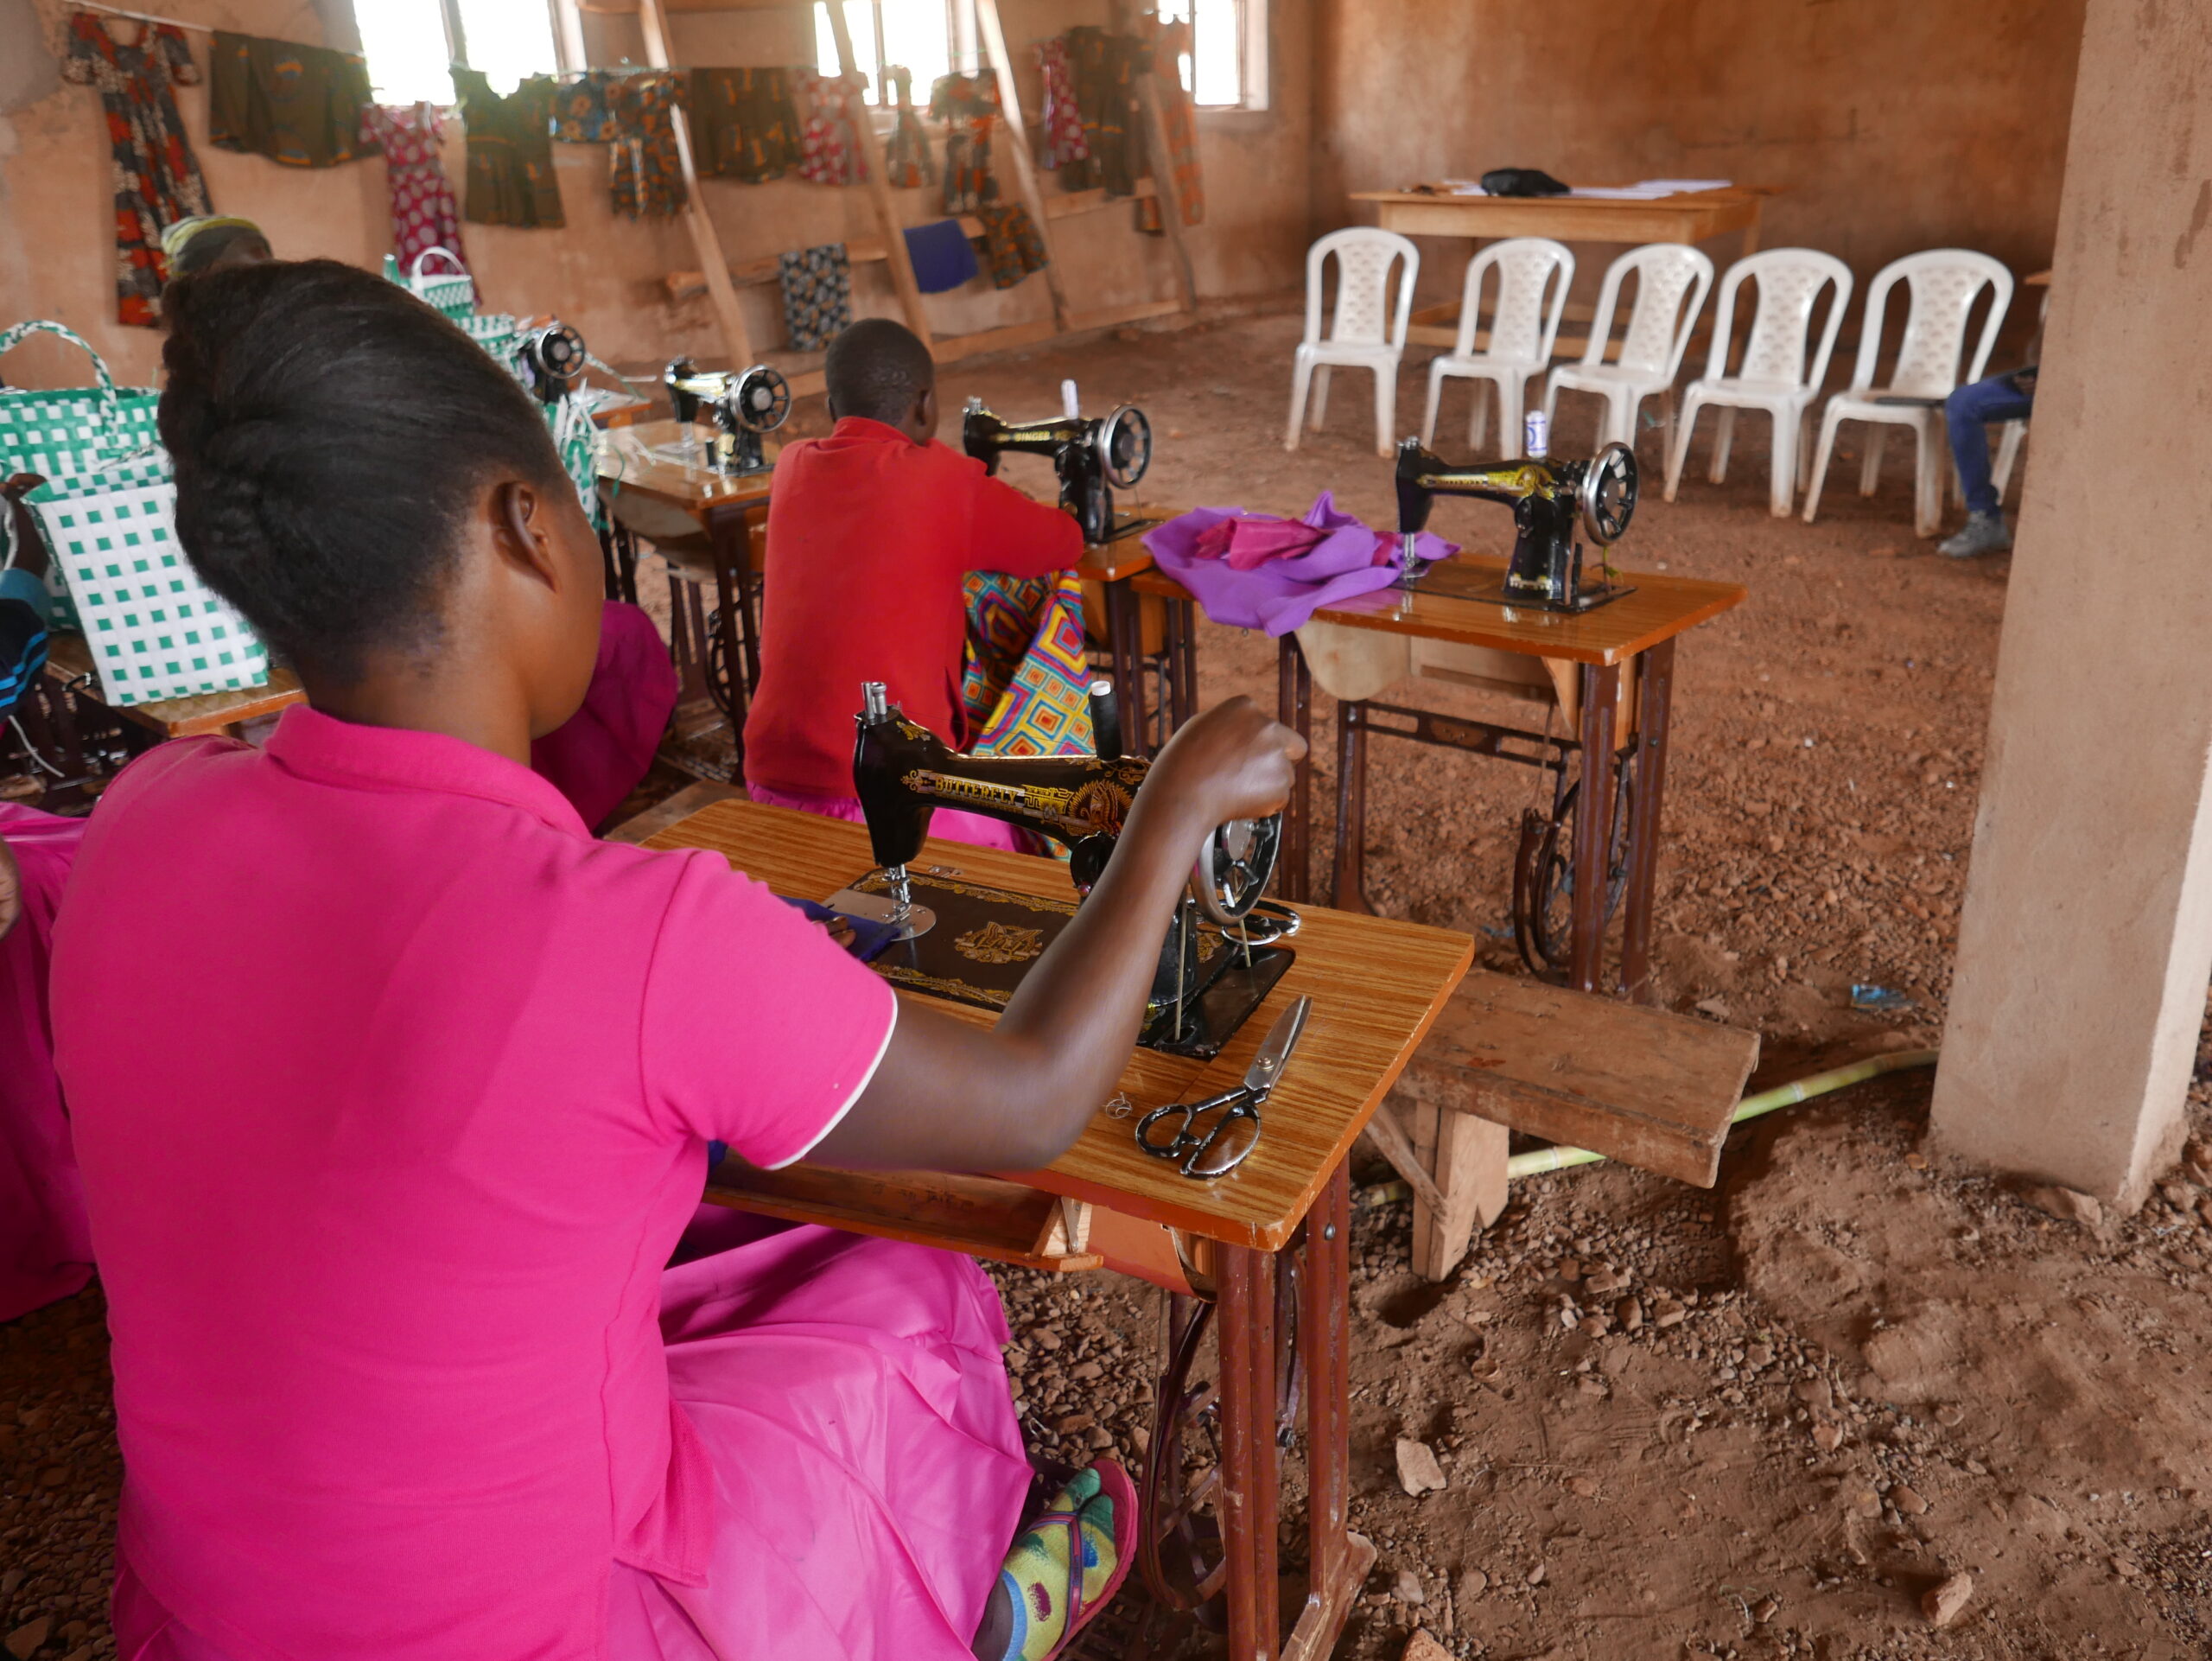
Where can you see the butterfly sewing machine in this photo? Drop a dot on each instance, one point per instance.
(1223, 953)
(746, 404)
(1550, 500)
(1093, 458)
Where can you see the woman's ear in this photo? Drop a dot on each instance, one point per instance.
(522, 533)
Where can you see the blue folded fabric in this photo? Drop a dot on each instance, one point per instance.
(869, 937)
(23, 650)
(943, 257)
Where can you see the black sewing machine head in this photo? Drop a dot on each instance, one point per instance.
(1550, 498)
(554, 358)
(745, 403)
(973, 943)
(1093, 459)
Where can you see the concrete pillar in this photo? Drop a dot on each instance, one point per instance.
(2087, 938)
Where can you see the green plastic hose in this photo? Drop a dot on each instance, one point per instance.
(1540, 1159)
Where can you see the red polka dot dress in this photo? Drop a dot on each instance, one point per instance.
(423, 211)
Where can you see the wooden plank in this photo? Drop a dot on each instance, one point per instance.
(879, 184)
(737, 340)
(1391, 1142)
(69, 661)
(1691, 217)
(1004, 338)
(1153, 126)
(1652, 1089)
(1377, 985)
(1017, 147)
(985, 1217)
(1467, 1157)
(1114, 317)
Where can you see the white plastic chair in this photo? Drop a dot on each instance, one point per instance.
(1668, 274)
(1365, 332)
(1774, 377)
(1523, 329)
(1944, 283)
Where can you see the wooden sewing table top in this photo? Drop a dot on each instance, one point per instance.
(1661, 607)
(626, 461)
(69, 660)
(1377, 985)
(1687, 216)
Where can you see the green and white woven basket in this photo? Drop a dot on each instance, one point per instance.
(452, 292)
(65, 433)
(156, 630)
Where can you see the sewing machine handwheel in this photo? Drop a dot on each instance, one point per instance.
(1125, 447)
(763, 399)
(1235, 865)
(1608, 494)
(556, 355)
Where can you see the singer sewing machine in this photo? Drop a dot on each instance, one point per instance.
(747, 405)
(1549, 500)
(554, 358)
(1093, 458)
(962, 940)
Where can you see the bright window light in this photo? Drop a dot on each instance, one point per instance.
(914, 35)
(410, 51)
(404, 41)
(508, 40)
(1226, 69)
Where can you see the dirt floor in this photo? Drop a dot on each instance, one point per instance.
(1767, 1421)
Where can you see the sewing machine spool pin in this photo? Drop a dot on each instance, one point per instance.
(1550, 498)
(1219, 956)
(1092, 458)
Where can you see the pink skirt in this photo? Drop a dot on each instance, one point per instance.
(868, 1469)
(46, 1248)
(975, 829)
(597, 756)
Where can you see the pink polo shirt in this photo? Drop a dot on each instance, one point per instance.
(392, 1089)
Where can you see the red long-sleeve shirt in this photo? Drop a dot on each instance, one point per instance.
(870, 536)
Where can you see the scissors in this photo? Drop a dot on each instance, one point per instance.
(1211, 1138)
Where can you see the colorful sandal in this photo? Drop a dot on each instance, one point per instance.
(1033, 1601)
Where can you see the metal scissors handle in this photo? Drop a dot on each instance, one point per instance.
(1213, 1137)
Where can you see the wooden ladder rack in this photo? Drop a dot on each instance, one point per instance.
(720, 281)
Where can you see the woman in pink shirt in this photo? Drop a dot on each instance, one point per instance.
(415, 1358)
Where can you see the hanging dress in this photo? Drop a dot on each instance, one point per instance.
(423, 211)
(156, 176)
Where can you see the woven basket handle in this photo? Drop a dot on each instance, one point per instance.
(459, 269)
(23, 331)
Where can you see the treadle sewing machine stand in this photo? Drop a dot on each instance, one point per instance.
(1262, 1254)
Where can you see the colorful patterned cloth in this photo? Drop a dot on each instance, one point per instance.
(1064, 143)
(744, 125)
(1026, 688)
(817, 284)
(156, 176)
(299, 105)
(646, 173)
(423, 211)
(1010, 242)
(1103, 69)
(1179, 116)
(580, 114)
(510, 151)
(906, 155)
(968, 106)
(829, 143)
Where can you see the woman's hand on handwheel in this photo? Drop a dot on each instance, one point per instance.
(1233, 762)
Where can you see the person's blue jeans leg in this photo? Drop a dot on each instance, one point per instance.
(1970, 412)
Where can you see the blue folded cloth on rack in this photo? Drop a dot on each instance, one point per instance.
(943, 257)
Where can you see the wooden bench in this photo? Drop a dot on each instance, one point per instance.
(1638, 1085)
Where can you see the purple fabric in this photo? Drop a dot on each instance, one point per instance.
(1279, 592)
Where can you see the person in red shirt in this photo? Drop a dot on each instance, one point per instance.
(871, 532)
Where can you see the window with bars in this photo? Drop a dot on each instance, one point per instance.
(930, 37)
(1227, 68)
(410, 44)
